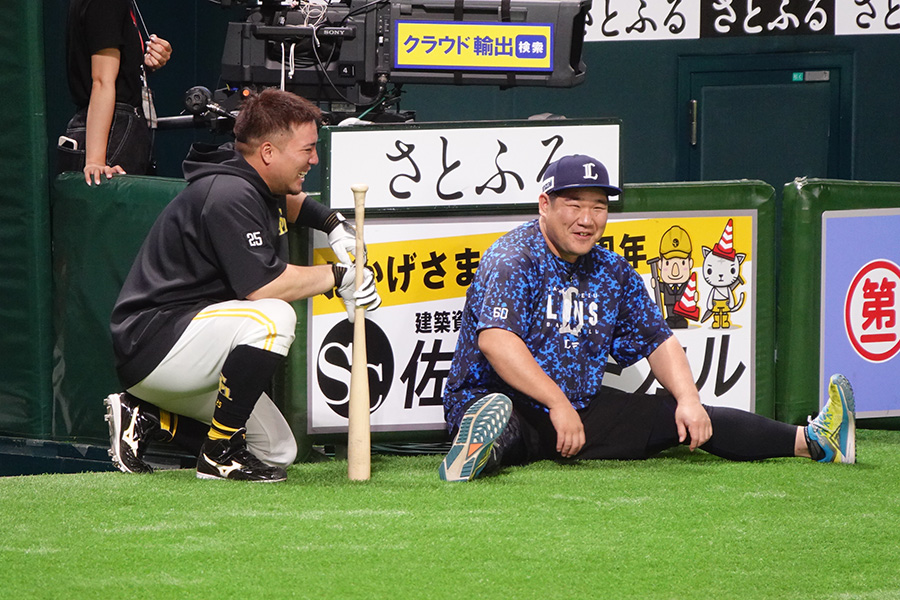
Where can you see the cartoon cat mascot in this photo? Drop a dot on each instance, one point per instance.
(722, 271)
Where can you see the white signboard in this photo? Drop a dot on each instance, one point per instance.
(643, 20)
(424, 266)
(416, 166)
(632, 20)
(866, 17)
(860, 304)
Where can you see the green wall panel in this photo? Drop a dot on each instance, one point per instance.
(24, 227)
(800, 286)
(97, 231)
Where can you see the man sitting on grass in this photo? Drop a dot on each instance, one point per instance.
(525, 385)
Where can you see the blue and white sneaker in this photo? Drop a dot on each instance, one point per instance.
(480, 427)
(835, 427)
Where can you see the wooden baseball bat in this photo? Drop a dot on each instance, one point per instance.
(359, 447)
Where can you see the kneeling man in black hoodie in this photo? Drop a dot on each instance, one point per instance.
(203, 319)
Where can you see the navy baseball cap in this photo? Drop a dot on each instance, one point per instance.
(575, 171)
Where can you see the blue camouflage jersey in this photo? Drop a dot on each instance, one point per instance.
(571, 316)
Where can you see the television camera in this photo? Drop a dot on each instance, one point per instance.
(352, 56)
(350, 51)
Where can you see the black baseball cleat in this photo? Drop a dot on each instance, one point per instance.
(133, 424)
(230, 459)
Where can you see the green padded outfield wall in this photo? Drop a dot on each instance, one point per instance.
(97, 231)
(804, 363)
(25, 352)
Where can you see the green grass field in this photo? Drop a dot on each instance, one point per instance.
(680, 526)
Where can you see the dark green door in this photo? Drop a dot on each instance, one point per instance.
(768, 117)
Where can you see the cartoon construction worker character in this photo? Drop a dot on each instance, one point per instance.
(671, 276)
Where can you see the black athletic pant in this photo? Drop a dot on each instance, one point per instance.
(620, 425)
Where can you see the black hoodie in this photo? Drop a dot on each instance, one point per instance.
(221, 238)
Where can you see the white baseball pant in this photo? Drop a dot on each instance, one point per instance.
(186, 382)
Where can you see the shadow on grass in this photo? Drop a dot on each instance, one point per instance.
(415, 470)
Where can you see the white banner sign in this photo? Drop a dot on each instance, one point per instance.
(415, 166)
(424, 266)
(626, 20)
(640, 20)
(861, 17)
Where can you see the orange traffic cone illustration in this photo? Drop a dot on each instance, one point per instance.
(687, 307)
(725, 247)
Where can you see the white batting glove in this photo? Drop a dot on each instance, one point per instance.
(342, 239)
(345, 282)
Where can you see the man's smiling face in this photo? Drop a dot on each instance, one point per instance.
(573, 220)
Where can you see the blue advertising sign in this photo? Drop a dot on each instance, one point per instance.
(860, 286)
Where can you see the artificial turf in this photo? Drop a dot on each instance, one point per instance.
(680, 526)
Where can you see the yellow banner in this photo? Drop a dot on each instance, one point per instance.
(645, 239)
(416, 270)
(424, 270)
(473, 46)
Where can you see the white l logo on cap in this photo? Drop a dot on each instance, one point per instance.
(589, 171)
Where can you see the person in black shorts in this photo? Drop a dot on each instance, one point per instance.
(107, 60)
(547, 308)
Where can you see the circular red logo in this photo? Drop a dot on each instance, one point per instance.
(870, 311)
